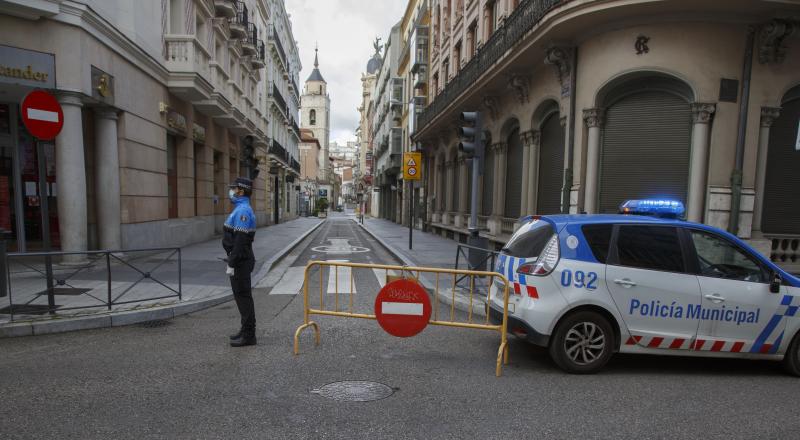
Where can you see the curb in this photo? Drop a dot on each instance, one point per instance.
(118, 319)
(444, 295)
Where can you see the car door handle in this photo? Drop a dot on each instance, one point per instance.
(625, 282)
(716, 297)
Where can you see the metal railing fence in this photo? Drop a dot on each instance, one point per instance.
(86, 280)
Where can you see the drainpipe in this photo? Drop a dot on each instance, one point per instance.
(744, 104)
(570, 132)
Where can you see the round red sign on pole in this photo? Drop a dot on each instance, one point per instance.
(42, 115)
(403, 308)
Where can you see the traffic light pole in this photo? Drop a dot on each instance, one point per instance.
(410, 214)
(473, 211)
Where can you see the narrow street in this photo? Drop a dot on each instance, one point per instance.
(180, 379)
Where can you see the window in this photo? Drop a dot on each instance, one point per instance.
(436, 83)
(457, 58)
(472, 33)
(599, 238)
(529, 243)
(312, 117)
(488, 20)
(650, 247)
(172, 177)
(718, 258)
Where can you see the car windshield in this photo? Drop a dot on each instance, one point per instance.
(529, 240)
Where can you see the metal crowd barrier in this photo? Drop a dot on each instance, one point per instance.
(345, 308)
(103, 279)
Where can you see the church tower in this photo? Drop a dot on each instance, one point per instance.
(315, 108)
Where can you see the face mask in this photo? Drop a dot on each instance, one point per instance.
(231, 194)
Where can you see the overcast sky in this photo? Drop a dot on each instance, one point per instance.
(345, 30)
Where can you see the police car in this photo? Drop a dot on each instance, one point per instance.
(588, 286)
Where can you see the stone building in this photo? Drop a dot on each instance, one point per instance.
(364, 132)
(310, 152)
(157, 97)
(387, 133)
(315, 114)
(589, 103)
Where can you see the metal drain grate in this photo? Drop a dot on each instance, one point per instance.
(155, 323)
(354, 391)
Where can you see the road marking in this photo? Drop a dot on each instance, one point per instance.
(343, 279)
(42, 115)
(340, 246)
(396, 308)
(290, 283)
(380, 274)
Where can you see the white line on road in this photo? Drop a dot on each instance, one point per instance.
(380, 274)
(344, 274)
(290, 283)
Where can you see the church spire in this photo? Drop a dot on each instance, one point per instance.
(315, 74)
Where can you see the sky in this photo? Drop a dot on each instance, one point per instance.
(344, 30)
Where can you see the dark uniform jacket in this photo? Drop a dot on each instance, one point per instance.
(239, 232)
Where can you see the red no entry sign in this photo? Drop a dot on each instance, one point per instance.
(42, 115)
(403, 308)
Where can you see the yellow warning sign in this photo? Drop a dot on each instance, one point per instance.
(412, 166)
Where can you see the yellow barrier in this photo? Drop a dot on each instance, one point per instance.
(502, 353)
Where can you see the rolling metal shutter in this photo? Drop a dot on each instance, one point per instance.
(551, 167)
(488, 182)
(782, 185)
(513, 191)
(645, 150)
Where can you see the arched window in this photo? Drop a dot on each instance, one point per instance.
(312, 117)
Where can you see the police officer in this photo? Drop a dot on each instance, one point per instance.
(239, 231)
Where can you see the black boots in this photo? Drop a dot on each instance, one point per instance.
(237, 335)
(244, 339)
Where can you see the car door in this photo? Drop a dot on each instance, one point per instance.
(648, 281)
(738, 312)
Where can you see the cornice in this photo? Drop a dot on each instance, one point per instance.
(82, 16)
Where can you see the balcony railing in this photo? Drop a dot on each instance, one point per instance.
(278, 98)
(259, 59)
(278, 46)
(238, 23)
(186, 54)
(295, 166)
(524, 18)
(277, 150)
(250, 41)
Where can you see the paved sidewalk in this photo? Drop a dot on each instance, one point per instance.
(428, 250)
(204, 284)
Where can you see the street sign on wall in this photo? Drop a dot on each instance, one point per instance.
(403, 308)
(42, 115)
(412, 166)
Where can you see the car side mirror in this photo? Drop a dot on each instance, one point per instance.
(775, 283)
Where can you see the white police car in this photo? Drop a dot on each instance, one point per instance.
(587, 286)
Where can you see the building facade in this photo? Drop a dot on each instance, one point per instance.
(588, 103)
(315, 114)
(387, 134)
(310, 152)
(157, 100)
(364, 178)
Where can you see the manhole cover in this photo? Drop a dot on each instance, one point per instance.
(155, 323)
(354, 391)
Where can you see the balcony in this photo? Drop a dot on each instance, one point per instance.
(189, 65)
(259, 61)
(420, 51)
(225, 8)
(250, 41)
(278, 47)
(279, 154)
(524, 18)
(420, 76)
(295, 166)
(278, 100)
(218, 104)
(238, 23)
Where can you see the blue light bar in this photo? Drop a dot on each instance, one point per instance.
(654, 207)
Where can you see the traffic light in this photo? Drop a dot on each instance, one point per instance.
(249, 157)
(471, 135)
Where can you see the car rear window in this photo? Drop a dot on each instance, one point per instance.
(599, 239)
(529, 241)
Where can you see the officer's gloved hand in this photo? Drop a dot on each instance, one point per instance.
(229, 271)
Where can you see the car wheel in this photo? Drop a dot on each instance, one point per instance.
(583, 343)
(791, 361)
